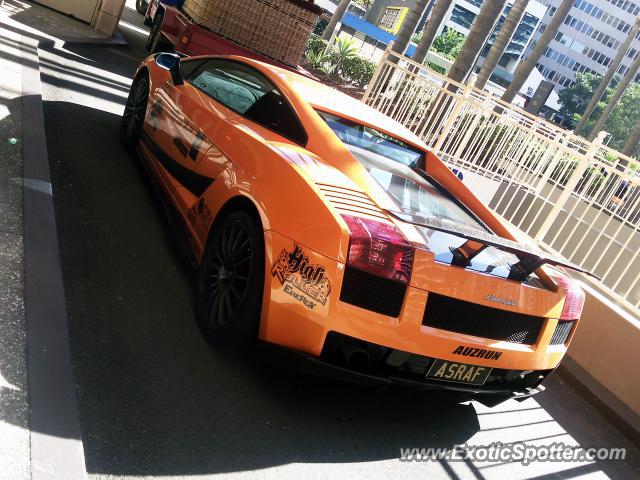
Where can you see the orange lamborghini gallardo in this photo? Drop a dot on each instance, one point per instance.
(322, 226)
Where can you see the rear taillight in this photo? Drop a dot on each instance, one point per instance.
(574, 299)
(379, 248)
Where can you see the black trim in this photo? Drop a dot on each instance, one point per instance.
(195, 183)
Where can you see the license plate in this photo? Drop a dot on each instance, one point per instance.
(458, 372)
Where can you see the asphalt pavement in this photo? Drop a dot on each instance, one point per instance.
(157, 401)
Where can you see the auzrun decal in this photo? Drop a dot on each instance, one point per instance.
(477, 352)
(296, 271)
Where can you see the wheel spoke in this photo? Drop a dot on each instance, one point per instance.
(221, 320)
(244, 244)
(212, 313)
(229, 305)
(235, 292)
(242, 260)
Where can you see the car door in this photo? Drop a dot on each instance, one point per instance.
(176, 131)
(236, 92)
(218, 96)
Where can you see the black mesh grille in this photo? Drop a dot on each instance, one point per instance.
(562, 331)
(469, 318)
(372, 292)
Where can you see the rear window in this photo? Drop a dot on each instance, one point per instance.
(357, 135)
(391, 162)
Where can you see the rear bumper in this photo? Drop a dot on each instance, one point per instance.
(320, 367)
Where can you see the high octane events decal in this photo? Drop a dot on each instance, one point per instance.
(303, 280)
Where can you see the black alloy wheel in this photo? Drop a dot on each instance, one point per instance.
(230, 280)
(134, 111)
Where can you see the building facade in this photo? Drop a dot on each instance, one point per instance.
(389, 15)
(461, 16)
(588, 39)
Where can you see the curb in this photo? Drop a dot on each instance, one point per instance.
(56, 442)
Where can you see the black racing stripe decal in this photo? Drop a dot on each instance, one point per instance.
(180, 146)
(195, 146)
(196, 184)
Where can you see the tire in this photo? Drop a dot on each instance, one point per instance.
(135, 111)
(141, 6)
(231, 280)
(154, 44)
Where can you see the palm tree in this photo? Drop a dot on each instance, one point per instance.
(480, 31)
(631, 145)
(501, 42)
(608, 76)
(438, 12)
(615, 98)
(409, 26)
(526, 66)
(335, 18)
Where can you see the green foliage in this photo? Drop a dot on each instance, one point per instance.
(449, 44)
(590, 181)
(623, 118)
(340, 59)
(315, 44)
(358, 69)
(574, 99)
(328, 68)
(416, 37)
(344, 49)
(317, 59)
(437, 68)
(320, 27)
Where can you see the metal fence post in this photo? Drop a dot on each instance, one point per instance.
(572, 183)
(453, 116)
(377, 72)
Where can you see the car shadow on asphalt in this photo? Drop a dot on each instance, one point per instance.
(155, 398)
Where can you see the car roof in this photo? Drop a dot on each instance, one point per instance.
(329, 99)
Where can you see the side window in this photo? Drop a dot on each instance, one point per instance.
(247, 92)
(188, 66)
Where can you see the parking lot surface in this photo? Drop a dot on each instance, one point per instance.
(157, 401)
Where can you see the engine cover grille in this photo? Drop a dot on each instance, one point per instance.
(459, 316)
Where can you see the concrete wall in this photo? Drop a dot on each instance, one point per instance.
(81, 9)
(603, 356)
(107, 16)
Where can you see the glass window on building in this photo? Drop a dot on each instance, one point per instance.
(462, 17)
(392, 18)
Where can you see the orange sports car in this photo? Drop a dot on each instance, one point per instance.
(320, 225)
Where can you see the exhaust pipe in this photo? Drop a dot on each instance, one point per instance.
(356, 356)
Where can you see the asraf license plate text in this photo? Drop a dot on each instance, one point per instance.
(458, 372)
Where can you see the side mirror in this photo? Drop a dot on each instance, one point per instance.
(171, 63)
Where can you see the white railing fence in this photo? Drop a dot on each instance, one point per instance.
(576, 198)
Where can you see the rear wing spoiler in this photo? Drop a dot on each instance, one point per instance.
(530, 258)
